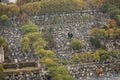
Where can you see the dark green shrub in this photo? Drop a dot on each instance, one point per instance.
(95, 42)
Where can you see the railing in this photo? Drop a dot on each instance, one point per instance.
(19, 65)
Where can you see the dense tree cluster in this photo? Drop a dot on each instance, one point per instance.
(50, 6)
(33, 40)
(22, 2)
(9, 10)
(112, 8)
(99, 55)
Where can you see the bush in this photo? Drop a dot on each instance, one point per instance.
(114, 12)
(99, 33)
(4, 18)
(77, 44)
(101, 55)
(29, 28)
(117, 18)
(107, 8)
(95, 42)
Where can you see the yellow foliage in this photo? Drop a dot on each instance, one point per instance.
(48, 60)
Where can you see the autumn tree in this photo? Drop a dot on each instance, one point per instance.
(12, 10)
(112, 23)
(31, 8)
(47, 36)
(22, 2)
(23, 17)
(2, 9)
(99, 33)
(50, 6)
(111, 33)
(95, 3)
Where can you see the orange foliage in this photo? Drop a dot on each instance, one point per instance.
(99, 70)
(112, 23)
(23, 17)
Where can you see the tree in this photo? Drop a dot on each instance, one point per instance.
(2, 9)
(31, 8)
(23, 18)
(39, 42)
(99, 33)
(117, 33)
(113, 2)
(4, 18)
(117, 18)
(86, 57)
(76, 57)
(96, 57)
(50, 63)
(112, 23)
(12, 10)
(45, 53)
(51, 6)
(111, 33)
(116, 53)
(25, 44)
(77, 44)
(3, 43)
(113, 13)
(59, 73)
(95, 42)
(29, 28)
(96, 3)
(22, 2)
(2, 75)
(99, 71)
(33, 35)
(101, 55)
(106, 8)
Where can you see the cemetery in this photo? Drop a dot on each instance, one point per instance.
(59, 44)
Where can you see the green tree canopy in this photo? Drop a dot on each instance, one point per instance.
(77, 44)
(29, 28)
(4, 17)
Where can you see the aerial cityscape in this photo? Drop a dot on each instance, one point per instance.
(59, 39)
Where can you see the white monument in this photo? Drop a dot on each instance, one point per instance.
(1, 55)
